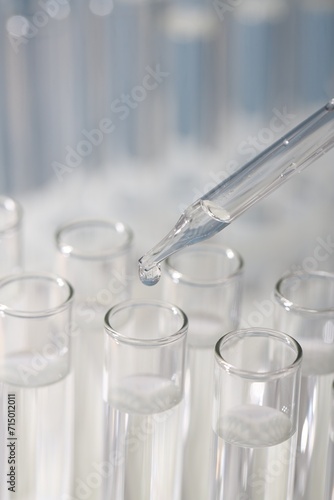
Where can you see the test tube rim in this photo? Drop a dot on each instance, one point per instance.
(297, 308)
(247, 374)
(10, 311)
(18, 210)
(155, 342)
(104, 255)
(183, 278)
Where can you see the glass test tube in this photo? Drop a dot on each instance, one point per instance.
(305, 309)
(10, 236)
(41, 71)
(314, 67)
(205, 281)
(258, 54)
(36, 387)
(143, 392)
(255, 414)
(196, 48)
(95, 256)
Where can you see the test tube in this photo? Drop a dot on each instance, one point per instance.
(40, 75)
(255, 414)
(10, 236)
(313, 64)
(95, 256)
(36, 387)
(197, 84)
(305, 308)
(259, 53)
(206, 282)
(143, 392)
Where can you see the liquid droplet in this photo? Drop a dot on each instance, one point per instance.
(150, 276)
(330, 105)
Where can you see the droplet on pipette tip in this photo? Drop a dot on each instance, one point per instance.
(150, 276)
(330, 105)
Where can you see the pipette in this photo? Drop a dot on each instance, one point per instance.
(260, 176)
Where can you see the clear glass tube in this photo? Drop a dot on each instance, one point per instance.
(206, 282)
(197, 58)
(42, 75)
(143, 391)
(312, 71)
(305, 309)
(255, 414)
(10, 236)
(228, 200)
(95, 256)
(36, 387)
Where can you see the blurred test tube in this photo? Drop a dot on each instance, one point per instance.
(124, 48)
(259, 61)
(196, 50)
(314, 62)
(39, 118)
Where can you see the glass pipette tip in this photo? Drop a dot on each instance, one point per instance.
(300, 147)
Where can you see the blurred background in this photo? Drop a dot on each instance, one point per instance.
(132, 109)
